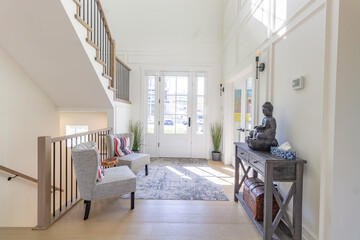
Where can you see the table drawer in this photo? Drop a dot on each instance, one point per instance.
(259, 164)
(242, 154)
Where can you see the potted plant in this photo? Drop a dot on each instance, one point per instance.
(216, 135)
(137, 129)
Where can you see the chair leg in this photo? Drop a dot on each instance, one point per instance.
(132, 200)
(87, 209)
(146, 170)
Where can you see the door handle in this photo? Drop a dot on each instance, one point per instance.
(243, 130)
(189, 122)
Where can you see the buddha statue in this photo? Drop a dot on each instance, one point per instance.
(263, 136)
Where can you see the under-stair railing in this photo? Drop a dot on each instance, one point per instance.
(122, 84)
(55, 170)
(90, 14)
(24, 176)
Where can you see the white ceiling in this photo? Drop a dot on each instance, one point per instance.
(40, 37)
(165, 24)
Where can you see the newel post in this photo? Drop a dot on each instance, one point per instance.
(44, 182)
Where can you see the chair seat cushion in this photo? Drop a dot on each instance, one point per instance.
(134, 161)
(118, 181)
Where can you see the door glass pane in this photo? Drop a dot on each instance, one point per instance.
(151, 85)
(151, 105)
(182, 85)
(181, 105)
(170, 85)
(237, 105)
(200, 105)
(201, 86)
(169, 123)
(169, 105)
(199, 124)
(176, 104)
(151, 126)
(181, 124)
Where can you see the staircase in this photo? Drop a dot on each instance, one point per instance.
(89, 21)
(39, 35)
(91, 27)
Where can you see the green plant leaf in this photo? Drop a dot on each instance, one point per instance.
(216, 134)
(137, 129)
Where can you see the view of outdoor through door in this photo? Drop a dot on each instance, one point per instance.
(243, 115)
(243, 108)
(175, 116)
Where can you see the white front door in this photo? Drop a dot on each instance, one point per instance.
(176, 115)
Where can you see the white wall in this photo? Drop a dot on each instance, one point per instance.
(163, 35)
(26, 113)
(343, 164)
(122, 112)
(94, 120)
(299, 112)
(291, 38)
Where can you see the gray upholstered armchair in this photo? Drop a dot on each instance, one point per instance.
(116, 182)
(134, 161)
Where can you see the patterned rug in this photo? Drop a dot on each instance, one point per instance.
(178, 179)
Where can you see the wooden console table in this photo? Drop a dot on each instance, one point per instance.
(273, 169)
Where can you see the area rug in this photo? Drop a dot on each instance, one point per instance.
(178, 179)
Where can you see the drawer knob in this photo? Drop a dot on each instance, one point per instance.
(242, 153)
(256, 161)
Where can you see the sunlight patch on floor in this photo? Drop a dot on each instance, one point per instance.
(178, 173)
(230, 180)
(214, 172)
(198, 171)
(229, 169)
(217, 180)
(212, 175)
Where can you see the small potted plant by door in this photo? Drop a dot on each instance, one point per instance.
(216, 135)
(137, 129)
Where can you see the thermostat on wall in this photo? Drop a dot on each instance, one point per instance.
(298, 83)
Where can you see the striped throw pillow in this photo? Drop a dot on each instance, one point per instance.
(100, 171)
(117, 144)
(125, 146)
(122, 146)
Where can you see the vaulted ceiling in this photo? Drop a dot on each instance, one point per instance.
(165, 24)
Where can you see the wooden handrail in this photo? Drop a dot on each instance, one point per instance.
(122, 63)
(113, 63)
(79, 135)
(19, 174)
(105, 48)
(104, 18)
(121, 100)
(55, 165)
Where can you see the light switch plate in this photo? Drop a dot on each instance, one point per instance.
(298, 83)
